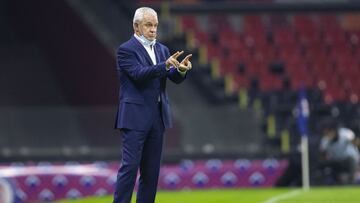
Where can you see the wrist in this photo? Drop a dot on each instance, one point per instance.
(181, 70)
(167, 66)
(183, 73)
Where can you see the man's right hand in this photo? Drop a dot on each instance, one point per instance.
(172, 60)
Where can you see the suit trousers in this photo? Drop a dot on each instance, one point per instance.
(141, 150)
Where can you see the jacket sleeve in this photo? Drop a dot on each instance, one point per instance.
(128, 63)
(174, 75)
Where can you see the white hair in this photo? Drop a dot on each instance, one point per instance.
(139, 13)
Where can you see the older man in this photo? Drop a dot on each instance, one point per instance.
(144, 65)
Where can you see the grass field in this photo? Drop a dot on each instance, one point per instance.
(315, 195)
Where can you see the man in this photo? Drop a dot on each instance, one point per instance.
(144, 65)
(339, 153)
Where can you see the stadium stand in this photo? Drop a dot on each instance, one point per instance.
(264, 59)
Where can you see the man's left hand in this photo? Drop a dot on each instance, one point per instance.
(185, 64)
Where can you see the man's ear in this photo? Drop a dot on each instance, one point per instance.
(136, 27)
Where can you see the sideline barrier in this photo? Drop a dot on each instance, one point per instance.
(48, 182)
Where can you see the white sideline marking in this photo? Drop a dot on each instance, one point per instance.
(283, 196)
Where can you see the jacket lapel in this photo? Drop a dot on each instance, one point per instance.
(157, 53)
(159, 57)
(142, 49)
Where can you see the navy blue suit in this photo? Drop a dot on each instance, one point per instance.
(142, 116)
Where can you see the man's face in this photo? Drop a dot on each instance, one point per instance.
(148, 26)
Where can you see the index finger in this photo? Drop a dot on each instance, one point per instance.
(187, 57)
(174, 54)
(177, 54)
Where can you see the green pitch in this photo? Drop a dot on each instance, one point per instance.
(315, 195)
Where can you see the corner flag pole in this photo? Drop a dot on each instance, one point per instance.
(305, 162)
(303, 114)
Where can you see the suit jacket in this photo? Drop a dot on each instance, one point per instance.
(141, 85)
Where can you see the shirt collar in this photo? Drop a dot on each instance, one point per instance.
(142, 41)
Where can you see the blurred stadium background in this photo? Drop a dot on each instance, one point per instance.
(235, 117)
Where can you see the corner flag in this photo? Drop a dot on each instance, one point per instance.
(303, 112)
(302, 119)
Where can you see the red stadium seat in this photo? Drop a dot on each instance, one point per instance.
(189, 22)
(253, 24)
(270, 82)
(283, 36)
(241, 81)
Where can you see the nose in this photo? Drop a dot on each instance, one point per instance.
(153, 29)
